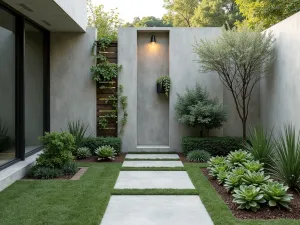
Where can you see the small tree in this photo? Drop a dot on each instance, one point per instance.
(240, 57)
(194, 108)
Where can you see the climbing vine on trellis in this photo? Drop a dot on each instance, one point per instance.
(104, 74)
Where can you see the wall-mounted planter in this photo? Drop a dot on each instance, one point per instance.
(160, 89)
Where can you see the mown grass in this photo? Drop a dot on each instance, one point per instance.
(63, 202)
(216, 207)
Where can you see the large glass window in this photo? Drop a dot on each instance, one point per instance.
(33, 86)
(7, 87)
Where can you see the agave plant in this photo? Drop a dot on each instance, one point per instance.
(239, 157)
(287, 158)
(248, 197)
(222, 176)
(275, 194)
(254, 166)
(216, 161)
(232, 181)
(214, 171)
(238, 171)
(255, 178)
(261, 145)
(105, 152)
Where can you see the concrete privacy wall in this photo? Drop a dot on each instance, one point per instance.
(152, 109)
(280, 92)
(73, 93)
(183, 71)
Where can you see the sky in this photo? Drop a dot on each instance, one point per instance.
(129, 9)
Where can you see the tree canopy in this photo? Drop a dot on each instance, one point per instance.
(267, 12)
(106, 23)
(148, 21)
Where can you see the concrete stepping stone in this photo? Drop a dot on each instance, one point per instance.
(156, 210)
(152, 164)
(152, 156)
(153, 179)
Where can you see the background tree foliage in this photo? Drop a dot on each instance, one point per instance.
(180, 12)
(267, 12)
(149, 21)
(106, 23)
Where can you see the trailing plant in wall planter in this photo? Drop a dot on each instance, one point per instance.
(105, 74)
(163, 85)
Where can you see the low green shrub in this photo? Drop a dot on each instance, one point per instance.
(275, 194)
(41, 172)
(58, 149)
(214, 145)
(70, 168)
(83, 153)
(105, 152)
(95, 142)
(248, 197)
(198, 156)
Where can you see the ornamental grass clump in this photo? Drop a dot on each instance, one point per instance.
(198, 156)
(276, 194)
(248, 197)
(105, 152)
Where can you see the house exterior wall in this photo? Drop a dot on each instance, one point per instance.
(72, 91)
(280, 93)
(77, 10)
(184, 72)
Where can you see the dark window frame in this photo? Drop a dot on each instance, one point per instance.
(20, 21)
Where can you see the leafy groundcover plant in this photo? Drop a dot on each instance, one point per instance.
(105, 152)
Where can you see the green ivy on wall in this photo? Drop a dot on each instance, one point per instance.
(106, 72)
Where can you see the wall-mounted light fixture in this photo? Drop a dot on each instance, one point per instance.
(153, 39)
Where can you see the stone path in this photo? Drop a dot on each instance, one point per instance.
(155, 209)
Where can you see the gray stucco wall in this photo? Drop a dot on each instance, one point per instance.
(280, 93)
(183, 71)
(73, 93)
(152, 108)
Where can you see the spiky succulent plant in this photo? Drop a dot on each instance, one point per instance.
(222, 176)
(248, 197)
(83, 153)
(276, 194)
(232, 181)
(214, 171)
(255, 178)
(254, 166)
(239, 157)
(105, 152)
(216, 161)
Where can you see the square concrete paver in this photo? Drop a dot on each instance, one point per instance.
(152, 164)
(153, 179)
(152, 156)
(156, 210)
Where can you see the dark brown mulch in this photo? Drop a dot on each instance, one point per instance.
(119, 159)
(182, 158)
(265, 212)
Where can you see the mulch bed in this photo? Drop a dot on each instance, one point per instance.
(263, 213)
(183, 158)
(119, 159)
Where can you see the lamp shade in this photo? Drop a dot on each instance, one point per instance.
(153, 39)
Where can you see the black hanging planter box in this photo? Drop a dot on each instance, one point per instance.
(160, 88)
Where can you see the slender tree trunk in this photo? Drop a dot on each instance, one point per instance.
(244, 122)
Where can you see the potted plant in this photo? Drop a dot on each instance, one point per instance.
(163, 85)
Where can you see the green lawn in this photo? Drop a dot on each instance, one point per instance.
(54, 202)
(218, 210)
